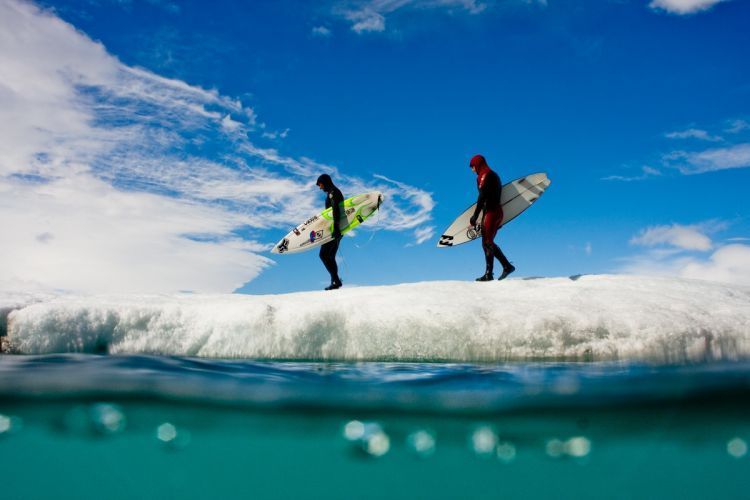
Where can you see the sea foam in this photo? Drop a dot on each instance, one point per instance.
(596, 317)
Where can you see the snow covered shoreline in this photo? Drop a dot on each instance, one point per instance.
(593, 318)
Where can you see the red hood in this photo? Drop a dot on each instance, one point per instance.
(480, 164)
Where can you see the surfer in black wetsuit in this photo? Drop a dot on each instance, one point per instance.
(334, 200)
(490, 187)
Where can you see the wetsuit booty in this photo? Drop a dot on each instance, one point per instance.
(334, 286)
(486, 277)
(499, 255)
(507, 271)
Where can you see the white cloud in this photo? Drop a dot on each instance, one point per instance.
(370, 15)
(735, 153)
(406, 207)
(423, 234)
(366, 20)
(682, 7)
(650, 170)
(114, 178)
(321, 31)
(646, 172)
(276, 134)
(710, 160)
(693, 133)
(683, 251)
(230, 124)
(737, 126)
(80, 233)
(695, 157)
(729, 264)
(676, 235)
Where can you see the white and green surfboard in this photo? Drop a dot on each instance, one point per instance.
(318, 229)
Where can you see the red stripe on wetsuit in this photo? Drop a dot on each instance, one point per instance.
(488, 183)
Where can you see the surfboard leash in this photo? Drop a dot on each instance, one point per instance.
(372, 234)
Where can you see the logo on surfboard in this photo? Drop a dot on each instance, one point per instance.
(315, 235)
(283, 246)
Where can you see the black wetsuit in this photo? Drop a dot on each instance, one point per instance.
(334, 200)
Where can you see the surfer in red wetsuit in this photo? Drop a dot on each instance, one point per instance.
(334, 200)
(489, 185)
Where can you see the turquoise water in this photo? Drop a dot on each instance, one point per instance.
(78, 426)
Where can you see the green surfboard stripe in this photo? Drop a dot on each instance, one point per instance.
(348, 203)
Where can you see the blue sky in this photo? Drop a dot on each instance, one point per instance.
(162, 146)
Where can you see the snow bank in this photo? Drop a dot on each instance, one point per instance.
(589, 318)
(12, 301)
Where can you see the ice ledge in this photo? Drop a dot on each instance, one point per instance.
(590, 317)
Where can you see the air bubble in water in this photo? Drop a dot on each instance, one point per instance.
(377, 444)
(483, 441)
(578, 446)
(555, 448)
(107, 418)
(368, 437)
(506, 452)
(5, 424)
(354, 430)
(168, 434)
(737, 447)
(422, 442)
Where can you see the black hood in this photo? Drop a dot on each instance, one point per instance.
(325, 181)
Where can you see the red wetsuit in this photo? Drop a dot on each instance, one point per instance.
(488, 184)
(490, 188)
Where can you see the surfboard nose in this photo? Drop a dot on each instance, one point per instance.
(281, 247)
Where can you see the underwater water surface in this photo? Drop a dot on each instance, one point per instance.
(86, 426)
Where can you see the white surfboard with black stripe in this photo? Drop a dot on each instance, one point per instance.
(515, 197)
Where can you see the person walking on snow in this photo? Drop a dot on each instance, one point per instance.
(334, 201)
(489, 185)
